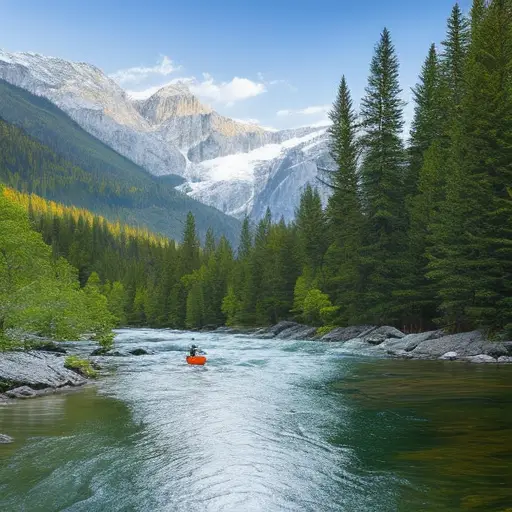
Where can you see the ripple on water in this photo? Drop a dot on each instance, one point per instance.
(259, 428)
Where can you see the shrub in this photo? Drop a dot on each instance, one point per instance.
(81, 366)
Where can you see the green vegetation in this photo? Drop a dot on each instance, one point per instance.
(43, 151)
(81, 366)
(415, 235)
(40, 293)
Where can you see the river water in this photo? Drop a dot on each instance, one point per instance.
(264, 426)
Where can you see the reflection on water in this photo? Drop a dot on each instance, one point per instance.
(445, 427)
(267, 426)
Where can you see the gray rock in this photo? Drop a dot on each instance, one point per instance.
(497, 350)
(21, 392)
(297, 332)
(37, 370)
(505, 359)
(278, 328)
(381, 334)
(465, 344)
(411, 341)
(481, 358)
(449, 356)
(106, 352)
(507, 345)
(348, 333)
(5, 439)
(139, 352)
(3, 398)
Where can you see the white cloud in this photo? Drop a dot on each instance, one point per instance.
(137, 75)
(308, 111)
(227, 93)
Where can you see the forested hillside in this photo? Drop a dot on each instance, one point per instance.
(44, 151)
(40, 293)
(416, 235)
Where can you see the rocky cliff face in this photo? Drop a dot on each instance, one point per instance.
(236, 167)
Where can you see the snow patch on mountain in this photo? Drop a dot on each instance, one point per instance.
(273, 175)
(238, 167)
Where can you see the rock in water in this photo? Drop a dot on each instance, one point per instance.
(449, 356)
(21, 392)
(139, 352)
(5, 439)
(37, 370)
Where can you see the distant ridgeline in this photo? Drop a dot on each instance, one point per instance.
(143, 270)
(416, 236)
(42, 150)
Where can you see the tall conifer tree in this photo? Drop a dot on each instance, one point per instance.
(382, 182)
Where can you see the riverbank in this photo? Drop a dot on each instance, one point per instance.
(471, 347)
(26, 374)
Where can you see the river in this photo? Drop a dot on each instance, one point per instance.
(265, 426)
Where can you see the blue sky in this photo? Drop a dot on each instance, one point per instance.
(275, 61)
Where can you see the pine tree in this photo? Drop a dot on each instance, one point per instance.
(455, 49)
(427, 122)
(472, 264)
(245, 245)
(382, 175)
(189, 250)
(209, 245)
(311, 229)
(344, 210)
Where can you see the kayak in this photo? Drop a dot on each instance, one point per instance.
(196, 360)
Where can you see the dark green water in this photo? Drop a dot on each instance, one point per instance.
(267, 426)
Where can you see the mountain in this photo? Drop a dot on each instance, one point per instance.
(42, 150)
(172, 132)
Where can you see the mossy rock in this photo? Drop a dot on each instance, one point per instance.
(80, 366)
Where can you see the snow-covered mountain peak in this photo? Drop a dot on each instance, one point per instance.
(238, 167)
(173, 100)
(174, 89)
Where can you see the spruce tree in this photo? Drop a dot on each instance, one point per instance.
(245, 245)
(455, 49)
(382, 174)
(427, 121)
(472, 264)
(189, 250)
(344, 210)
(311, 229)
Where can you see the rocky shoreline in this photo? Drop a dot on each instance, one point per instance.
(33, 373)
(27, 374)
(388, 341)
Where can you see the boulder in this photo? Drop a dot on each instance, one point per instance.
(106, 352)
(507, 345)
(496, 350)
(449, 356)
(297, 332)
(21, 392)
(465, 344)
(280, 327)
(37, 370)
(381, 334)
(5, 439)
(481, 358)
(505, 359)
(138, 352)
(348, 333)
